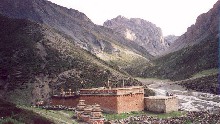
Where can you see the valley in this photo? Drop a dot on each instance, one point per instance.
(46, 48)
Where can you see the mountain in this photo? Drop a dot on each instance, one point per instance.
(87, 35)
(186, 62)
(195, 51)
(45, 47)
(140, 31)
(37, 61)
(170, 39)
(206, 25)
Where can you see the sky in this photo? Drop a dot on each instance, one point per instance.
(172, 16)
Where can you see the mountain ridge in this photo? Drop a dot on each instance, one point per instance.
(40, 50)
(143, 32)
(205, 25)
(194, 51)
(37, 61)
(77, 25)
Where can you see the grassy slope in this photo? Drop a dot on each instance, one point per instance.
(205, 73)
(186, 62)
(126, 60)
(57, 116)
(10, 114)
(131, 114)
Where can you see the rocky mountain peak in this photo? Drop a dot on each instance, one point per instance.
(120, 17)
(170, 39)
(143, 32)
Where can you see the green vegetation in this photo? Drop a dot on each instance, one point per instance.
(122, 115)
(167, 115)
(156, 115)
(137, 66)
(31, 115)
(57, 116)
(186, 62)
(36, 60)
(205, 73)
(126, 60)
(188, 122)
(9, 113)
(9, 120)
(151, 80)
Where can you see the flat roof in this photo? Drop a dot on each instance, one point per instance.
(112, 91)
(160, 97)
(118, 88)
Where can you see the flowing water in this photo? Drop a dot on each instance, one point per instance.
(188, 100)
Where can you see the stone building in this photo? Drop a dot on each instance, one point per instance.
(161, 104)
(118, 100)
(115, 100)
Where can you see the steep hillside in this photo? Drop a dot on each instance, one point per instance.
(11, 114)
(98, 40)
(206, 25)
(140, 31)
(197, 50)
(184, 63)
(37, 61)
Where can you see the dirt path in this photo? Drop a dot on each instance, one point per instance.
(189, 100)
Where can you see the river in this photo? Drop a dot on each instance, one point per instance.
(189, 100)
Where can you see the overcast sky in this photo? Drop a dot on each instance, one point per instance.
(172, 16)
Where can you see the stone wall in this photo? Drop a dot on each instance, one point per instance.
(116, 103)
(115, 100)
(131, 102)
(108, 103)
(161, 103)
